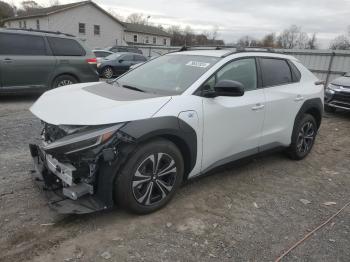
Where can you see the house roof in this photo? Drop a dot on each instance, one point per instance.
(39, 12)
(145, 29)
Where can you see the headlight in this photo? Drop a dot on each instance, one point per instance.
(83, 140)
(333, 88)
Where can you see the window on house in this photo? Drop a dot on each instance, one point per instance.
(81, 28)
(24, 24)
(37, 24)
(9, 24)
(154, 40)
(147, 40)
(96, 30)
(20, 24)
(135, 38)
(164, 41)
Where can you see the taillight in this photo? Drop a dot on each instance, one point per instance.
(92, 61)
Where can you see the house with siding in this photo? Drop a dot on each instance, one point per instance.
(88, 21)
(136, 34)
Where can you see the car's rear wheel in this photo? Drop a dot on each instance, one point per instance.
(107, 72)
(303, 137)
(64, 80)
(150, 177)
(329, 109)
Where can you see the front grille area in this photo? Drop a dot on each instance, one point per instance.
(342, 96)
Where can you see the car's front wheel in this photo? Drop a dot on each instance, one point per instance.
(107, 72)
(150, 177)
(303, 137)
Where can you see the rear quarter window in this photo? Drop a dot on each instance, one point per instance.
(275, 72)
(65, 47)
(19, 44)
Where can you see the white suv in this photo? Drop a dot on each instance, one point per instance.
(178, 116)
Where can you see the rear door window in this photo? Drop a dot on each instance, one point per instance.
(101, 54)
(275, 72)
(139, 58)
(19, 44)
(128, 58)
(65, 47)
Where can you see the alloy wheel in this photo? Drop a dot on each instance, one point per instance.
(306, 137)
(64, 83)
(108, 72)
(154, 179)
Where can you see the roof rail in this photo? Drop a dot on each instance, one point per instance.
(40, 31)
(216, 47)
(249, 49)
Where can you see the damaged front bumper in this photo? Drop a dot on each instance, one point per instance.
(55, 179)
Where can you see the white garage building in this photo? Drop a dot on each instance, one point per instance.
(86, 20)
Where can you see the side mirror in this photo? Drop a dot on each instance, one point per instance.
(121, 60)
(229, 88)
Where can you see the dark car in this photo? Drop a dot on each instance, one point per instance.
(130, 49)
(39, 60)
(118, 63)
(338, 94)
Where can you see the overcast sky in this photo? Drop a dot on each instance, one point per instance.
(235, 18)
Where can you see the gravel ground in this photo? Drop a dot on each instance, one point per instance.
(250, 212)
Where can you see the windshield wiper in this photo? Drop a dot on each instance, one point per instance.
(133, 88)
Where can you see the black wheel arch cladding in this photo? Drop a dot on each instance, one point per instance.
(169, 127)
(313, 107)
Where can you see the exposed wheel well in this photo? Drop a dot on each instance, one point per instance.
(185, 151)
(315, 112)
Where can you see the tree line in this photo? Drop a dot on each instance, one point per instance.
(291, 38)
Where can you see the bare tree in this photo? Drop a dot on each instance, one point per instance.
(294, 37)
(312, 43)
(247, 41)
(54, 2)
(269, 40)
(215, 32)
(27, 6)
(136, 18)
(6, 11)
(340, 43)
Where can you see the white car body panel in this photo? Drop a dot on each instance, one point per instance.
(232, 126)
(71, 105)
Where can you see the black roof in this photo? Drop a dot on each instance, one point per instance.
(146, 29)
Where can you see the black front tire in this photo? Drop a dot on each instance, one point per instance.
(144, 173)
(303, 137)
(64, 80)
(329, 109)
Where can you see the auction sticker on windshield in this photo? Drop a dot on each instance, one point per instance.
(198, 64)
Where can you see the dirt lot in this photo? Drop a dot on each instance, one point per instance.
(250, 212)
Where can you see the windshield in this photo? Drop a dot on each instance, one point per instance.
(169, 74)
(113, 56)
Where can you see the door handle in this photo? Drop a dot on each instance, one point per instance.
(258, 107)
(299, 98)
(7, 60)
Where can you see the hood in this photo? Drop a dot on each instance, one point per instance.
(342, 81)
(95, 104)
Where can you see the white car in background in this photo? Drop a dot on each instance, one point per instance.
(133, 142)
